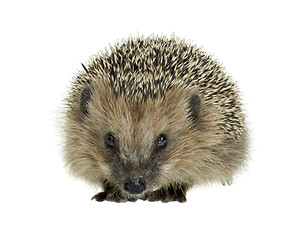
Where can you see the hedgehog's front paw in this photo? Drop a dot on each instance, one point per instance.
(110, 196)
(100, 197)
(167, 195)
(174, 194)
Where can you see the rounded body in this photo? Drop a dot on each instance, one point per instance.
(152, 117)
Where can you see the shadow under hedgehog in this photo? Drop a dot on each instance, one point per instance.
(151, 118)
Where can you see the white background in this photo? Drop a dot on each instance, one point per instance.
(42, 46)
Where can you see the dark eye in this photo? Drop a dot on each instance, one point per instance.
(110, 141)
(161, 141)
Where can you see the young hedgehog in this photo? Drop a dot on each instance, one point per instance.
(151, 118)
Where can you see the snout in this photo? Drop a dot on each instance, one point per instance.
(135, 185)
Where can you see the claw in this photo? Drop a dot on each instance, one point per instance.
(100, 197)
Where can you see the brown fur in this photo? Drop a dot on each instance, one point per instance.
(140, 90)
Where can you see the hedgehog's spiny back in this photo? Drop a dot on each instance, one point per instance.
(147, 68)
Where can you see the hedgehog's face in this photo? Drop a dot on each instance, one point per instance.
(137, 146)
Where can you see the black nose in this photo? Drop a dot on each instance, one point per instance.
(135, 185)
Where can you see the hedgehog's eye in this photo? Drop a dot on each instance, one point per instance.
(110, 141)
(161, 141)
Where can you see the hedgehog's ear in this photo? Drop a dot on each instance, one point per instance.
(86, 97)
(194, 107)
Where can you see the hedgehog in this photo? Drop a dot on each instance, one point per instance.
(151, 117)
